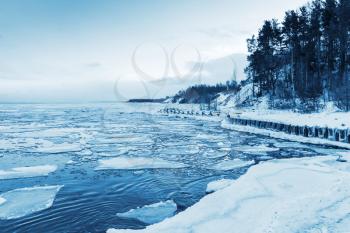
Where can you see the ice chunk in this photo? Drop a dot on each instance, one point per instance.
(137, 163)
(59, 148)
(218, 185)
(209, 137)
(2, 200)
(226, 165)
(153, 213)
(25, 201)
(23, 172)
(214, 154)
(260, 149)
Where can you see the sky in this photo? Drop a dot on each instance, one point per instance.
(112, 50)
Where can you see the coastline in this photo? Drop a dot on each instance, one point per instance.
(288, 195)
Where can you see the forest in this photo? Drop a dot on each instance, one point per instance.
(304, 58)
(203, 93)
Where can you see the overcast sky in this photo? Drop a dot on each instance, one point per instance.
(94, 50)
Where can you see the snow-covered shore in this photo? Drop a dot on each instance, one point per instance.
(293, 195)
(285, 136)
(336, 123)
(332, 119)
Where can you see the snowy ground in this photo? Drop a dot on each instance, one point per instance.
(293, 195)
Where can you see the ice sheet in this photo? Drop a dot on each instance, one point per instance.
(25, 201)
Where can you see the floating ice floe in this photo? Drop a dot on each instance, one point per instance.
(259, 149)
(25, 201)
(132, 139)
(130, 163)
(52, 132)
(153, 213)
(291, 195)
(23, 172)
(52, 148)
(69, 162)
(214, 154)
(218, 185)
(226, 165)
(209, 137)
(18, 143)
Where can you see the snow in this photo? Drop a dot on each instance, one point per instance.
(218, 185)
(282, 135)
(26, 201)
(230, 100)
(153, 213)
(344, 155)
(292, 195)
(23, 172)
(227, 165)
(135, 163)
(327, 118)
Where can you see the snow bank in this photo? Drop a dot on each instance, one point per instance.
(218, 185)
(153, 213)
(25, 201)
(133, 163)
(23, 172)
(227, 165)
(294, 195)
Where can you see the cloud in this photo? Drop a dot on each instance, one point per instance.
(211, 72)
(93, 64)
(224, 32)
